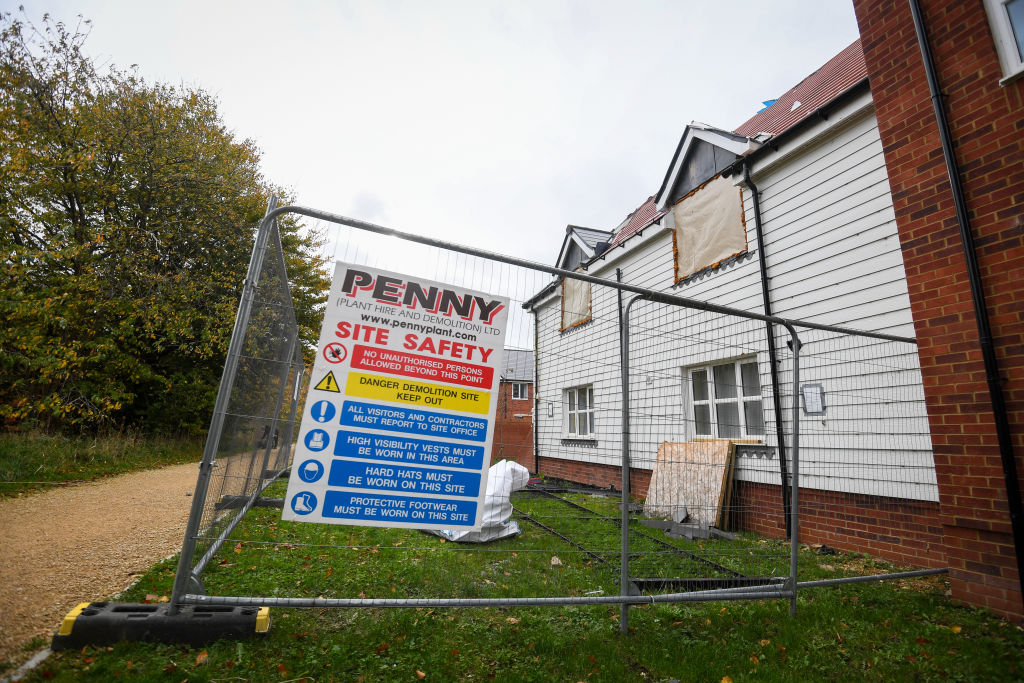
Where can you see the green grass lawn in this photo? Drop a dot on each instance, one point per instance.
(892, 631)
(34, 461)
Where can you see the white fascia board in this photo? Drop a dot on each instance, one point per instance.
(698, 131)
(838, 119)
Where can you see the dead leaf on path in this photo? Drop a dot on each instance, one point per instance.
(420, 674)
(726, 679)
(765, 641)
(512, 620)
(956, 629)
(202, 658)
(555, 562)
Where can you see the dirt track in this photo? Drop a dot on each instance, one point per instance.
(81, 543)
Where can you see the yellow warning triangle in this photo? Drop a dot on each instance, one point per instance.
(328, 383)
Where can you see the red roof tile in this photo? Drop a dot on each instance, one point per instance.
(837, 75)
(643, 216)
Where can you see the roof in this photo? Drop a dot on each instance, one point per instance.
(642, 216)
(518, 366)
(837, 75)
(589, 235)
(587, 239)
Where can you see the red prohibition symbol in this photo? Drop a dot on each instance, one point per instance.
(335, 353)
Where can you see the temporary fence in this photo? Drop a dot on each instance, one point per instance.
(801, 426)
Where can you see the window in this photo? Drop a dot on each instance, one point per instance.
(709, 227)
(520, 391)
(579, 412)
(577, 303)
(1006, 18)
(726, 400)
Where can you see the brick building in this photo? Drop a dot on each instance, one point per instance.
(513, 433)
(977, 53)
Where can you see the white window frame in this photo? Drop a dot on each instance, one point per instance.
(571, 409)
(1010, 57)
(520, 391)
(713, 401)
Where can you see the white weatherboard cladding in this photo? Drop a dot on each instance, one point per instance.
(833, 257)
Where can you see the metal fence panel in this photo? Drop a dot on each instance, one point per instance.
(699, 376)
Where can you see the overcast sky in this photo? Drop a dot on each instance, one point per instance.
(491, 123)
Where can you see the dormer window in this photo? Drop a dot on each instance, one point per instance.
(709, 227)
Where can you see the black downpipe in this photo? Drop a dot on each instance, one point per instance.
(772, 355)
(995, 389)
(536, 393)
(626, 488)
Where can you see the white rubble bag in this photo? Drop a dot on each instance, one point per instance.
(503, 478)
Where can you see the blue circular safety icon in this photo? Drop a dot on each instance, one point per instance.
(311, 470)
(303, 503)
(322, 411)
(317, 440)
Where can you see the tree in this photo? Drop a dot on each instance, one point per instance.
(126, 216)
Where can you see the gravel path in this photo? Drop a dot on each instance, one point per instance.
(86, 542)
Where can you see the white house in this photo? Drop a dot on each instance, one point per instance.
(830, 255)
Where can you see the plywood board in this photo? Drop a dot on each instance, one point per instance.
(690, 481)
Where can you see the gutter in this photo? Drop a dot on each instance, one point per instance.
(995, 389)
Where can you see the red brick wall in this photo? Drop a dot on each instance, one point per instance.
(987, 124)
(603, 476)
(513, 436)
(904, 532)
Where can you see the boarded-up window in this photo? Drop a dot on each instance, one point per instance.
(576, 303)
(709, 227)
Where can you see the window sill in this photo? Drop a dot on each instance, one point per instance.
(1010, 78)
(588, 441)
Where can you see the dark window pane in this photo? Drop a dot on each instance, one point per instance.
(702, 419)
(751, 382)
(725, 381)
(728, 420)
(700, 385)
(572, 400)
(753, 416)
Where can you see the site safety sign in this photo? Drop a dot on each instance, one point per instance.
(399, 419)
